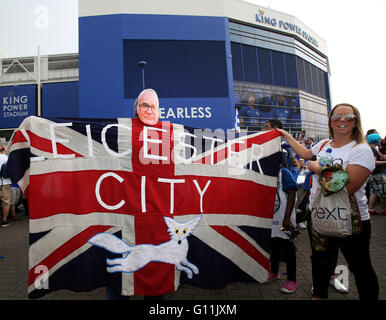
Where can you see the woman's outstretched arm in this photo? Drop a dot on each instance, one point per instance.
(300, 150)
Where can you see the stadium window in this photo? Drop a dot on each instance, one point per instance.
(308, 77)
(301, 76)
(279, 76)
(203, 63)
(237, 61)
(290, 70)
(265, 66)
(250, 63)
(322, 84)
(314, 76)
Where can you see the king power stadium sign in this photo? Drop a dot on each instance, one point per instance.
(285, 26)
(16, 103)
(15, 106)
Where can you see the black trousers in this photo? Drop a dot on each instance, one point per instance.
(356, 251)
(278, 246)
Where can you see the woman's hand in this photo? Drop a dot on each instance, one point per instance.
(314, 166)
(283, 132)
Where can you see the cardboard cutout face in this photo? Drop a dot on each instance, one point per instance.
(147, 109)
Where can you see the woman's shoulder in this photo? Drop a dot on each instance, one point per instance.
(361, 154)
(362, 147)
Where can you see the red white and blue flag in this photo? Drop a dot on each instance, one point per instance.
(88, 177)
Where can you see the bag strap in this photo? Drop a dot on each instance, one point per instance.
(309, 184)
(356, 219)
(323, 144)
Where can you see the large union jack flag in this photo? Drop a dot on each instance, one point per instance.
(89, 177)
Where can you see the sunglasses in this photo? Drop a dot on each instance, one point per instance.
(348, 117)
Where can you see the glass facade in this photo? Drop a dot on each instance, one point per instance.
(277, 76)
(63, 62)
(257, 103)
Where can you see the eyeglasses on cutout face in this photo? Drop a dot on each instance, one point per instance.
(145, 107)
(348, 117)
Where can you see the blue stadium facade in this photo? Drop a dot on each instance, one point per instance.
(208, 61)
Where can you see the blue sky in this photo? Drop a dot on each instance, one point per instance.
(354, 31)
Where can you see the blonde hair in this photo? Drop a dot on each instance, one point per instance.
(357, 132)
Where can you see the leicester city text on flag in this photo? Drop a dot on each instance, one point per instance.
(142, 209)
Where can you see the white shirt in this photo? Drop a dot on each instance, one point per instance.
(3, 159)
(351, 153)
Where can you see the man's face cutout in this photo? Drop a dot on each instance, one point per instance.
(147, 108)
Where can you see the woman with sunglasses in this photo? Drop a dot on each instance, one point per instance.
(347, 143)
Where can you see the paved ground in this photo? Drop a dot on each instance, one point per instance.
(14, 273)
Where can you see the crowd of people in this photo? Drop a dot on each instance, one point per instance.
(254, 112)
(363, 158)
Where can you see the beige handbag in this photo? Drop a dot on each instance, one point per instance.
(331, 215)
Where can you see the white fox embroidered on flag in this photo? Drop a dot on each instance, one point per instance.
(139, 209)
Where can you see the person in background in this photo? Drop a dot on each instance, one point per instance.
(302, 136)
(309, 142)
(296, 167)
(382, 149)
(250, 115)
(382, 152)
(281, 111)
(348, 144)
(377, 180)
(371, 131)
(5, 190)
(15, 196)
(284, 216)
